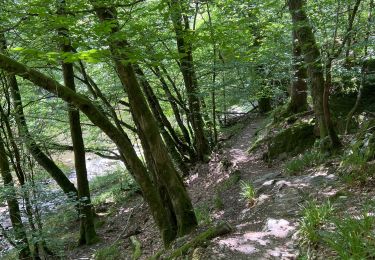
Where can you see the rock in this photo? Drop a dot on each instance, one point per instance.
(293, 140)
(267, 176)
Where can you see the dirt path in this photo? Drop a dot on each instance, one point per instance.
(266, 230)
(263, 231)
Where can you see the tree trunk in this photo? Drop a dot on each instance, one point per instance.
(16, 163)
(87, 226)
(174, 144)
(335, 141)
(172, 102)
(166, 172)
(298, 91)
(264, 104)
(22, 243)
(190, 80)
(312, 58)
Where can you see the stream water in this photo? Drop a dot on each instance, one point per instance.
(50, 196)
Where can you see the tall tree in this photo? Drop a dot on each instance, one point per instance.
(46, 162)
(87, 226)
(134, 164)
(166, 176)
(186, 64)
(312, 57)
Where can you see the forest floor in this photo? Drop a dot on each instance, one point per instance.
(265, 229)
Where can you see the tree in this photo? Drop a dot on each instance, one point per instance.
(312, 59)
(186, 65)
(86, 213)
(21, 240)
(298, 90)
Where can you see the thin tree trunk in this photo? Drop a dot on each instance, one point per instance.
(363, 70)
(87, 226)
(173, 103)
(16, 162)
(214, 74)
(22, 243)
(159, 113)
(327, 113)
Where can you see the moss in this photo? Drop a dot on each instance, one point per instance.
(294, 139)
(110, 252)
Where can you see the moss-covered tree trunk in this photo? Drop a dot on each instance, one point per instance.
(167, 176)
(87, 226)
(312, 58)
(184, 47)
(298, 89)
(21, 240)
(176, 147)
(327, 113)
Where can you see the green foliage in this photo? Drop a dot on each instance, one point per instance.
(303, 161)
(355, 166)
(111, 252)
(203, 214)
(314, 216)
(346, 236)
(113, 187)
(247, 191)
(218, 201)
(55, 230)
(352, 238)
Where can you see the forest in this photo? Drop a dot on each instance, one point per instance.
(187, 129)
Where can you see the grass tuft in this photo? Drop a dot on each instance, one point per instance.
(248, 192)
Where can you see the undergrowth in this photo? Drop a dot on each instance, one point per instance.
(304, 161)
(340, 235)
(113, 187)
(110, 252)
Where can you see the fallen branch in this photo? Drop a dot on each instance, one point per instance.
(218, 230)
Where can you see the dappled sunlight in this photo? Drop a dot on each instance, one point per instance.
(280, 228)
(238, 244)
(238, 156)
(249, 242)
